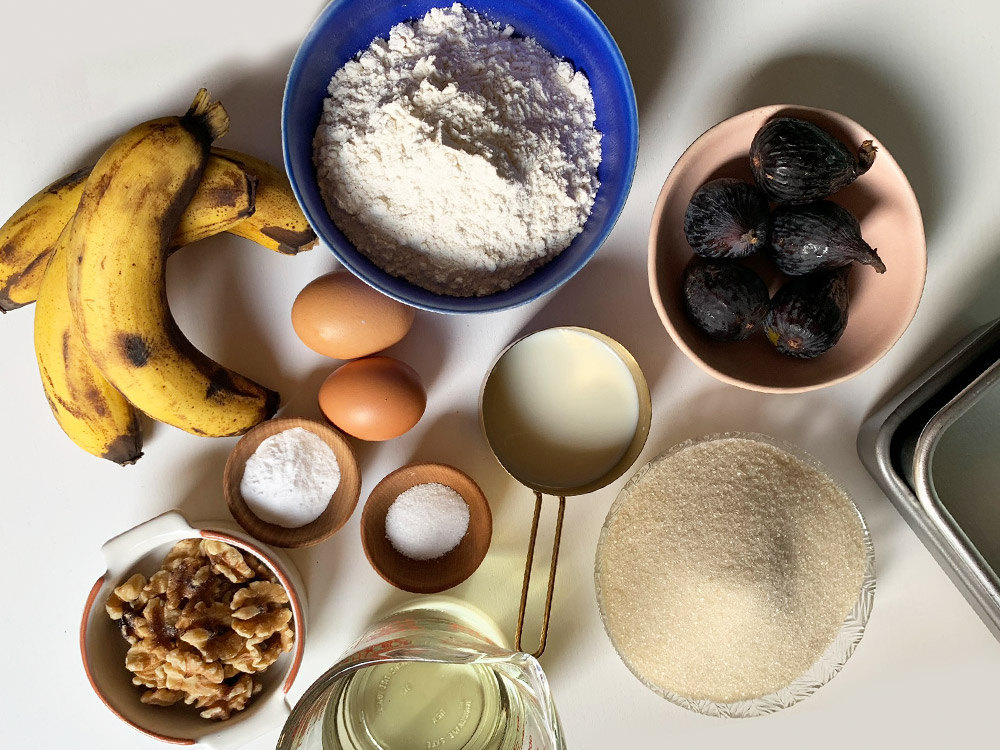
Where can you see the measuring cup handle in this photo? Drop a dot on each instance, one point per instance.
(527, 575)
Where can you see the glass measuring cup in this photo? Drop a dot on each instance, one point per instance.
(433, 674)
(566, 411)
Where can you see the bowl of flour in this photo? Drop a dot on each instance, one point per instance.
(460, 158)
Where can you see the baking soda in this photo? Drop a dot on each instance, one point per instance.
(290, 478)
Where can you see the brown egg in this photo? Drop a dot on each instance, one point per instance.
(375, 398)
(340, 316)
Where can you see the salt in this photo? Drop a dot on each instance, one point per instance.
(427, 521)
(290, 478)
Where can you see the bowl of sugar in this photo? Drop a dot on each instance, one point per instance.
(292, 482)
(426, 527)
(447, 189)
(746, 602)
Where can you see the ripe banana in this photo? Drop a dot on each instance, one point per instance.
(278, 223)
(131, 204)
(86, 406)
(90, 411)
(26, 239)
(225, 197)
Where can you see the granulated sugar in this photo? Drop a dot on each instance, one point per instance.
(727, 568)
(458, 155)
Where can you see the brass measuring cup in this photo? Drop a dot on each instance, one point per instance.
(539, 390)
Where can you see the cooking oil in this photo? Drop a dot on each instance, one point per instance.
(419, 705)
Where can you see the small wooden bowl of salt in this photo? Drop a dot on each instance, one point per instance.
(292, 482)
(426, 527)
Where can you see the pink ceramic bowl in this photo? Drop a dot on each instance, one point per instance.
(881, 306)
(102, 647)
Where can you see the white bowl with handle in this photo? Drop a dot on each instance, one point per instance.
(141, 550)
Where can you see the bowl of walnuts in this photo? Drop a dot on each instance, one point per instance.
(195, 633)
(787, 250)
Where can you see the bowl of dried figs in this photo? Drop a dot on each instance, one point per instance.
(787, 250)
(195, 633)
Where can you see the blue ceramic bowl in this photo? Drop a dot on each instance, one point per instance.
(566, 28)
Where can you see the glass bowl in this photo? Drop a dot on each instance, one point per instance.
(832, 659)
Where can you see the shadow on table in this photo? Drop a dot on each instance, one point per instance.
(979, 305)
(646, 34)
(253, 100)
(218, 309)
(455, 438)
(426, 347)
(201, 496)
(321, 569)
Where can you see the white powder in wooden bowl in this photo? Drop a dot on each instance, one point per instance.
(290, 479)
(726, 568)
(427, 521)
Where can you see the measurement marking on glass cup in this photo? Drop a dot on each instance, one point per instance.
(382, 685)
(466, 705)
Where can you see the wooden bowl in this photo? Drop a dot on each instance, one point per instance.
(341, 505)
(426, 576)
(881, 305)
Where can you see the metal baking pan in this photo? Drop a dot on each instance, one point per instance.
(956, 478)
(913, 447)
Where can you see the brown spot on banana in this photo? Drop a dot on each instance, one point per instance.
(220, 382)
(53, 395)
(271, 404)
(96, 400)
(101, 187)
(134, 348)
(75, 178)
(66, 358)
(54, 398)
(225, 195)
(221, 386)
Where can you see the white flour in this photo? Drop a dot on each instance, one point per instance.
(456, 155)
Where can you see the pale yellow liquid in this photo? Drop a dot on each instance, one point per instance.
(422, 706)
(560, 409)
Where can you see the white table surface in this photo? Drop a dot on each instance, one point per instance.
(920, 75)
